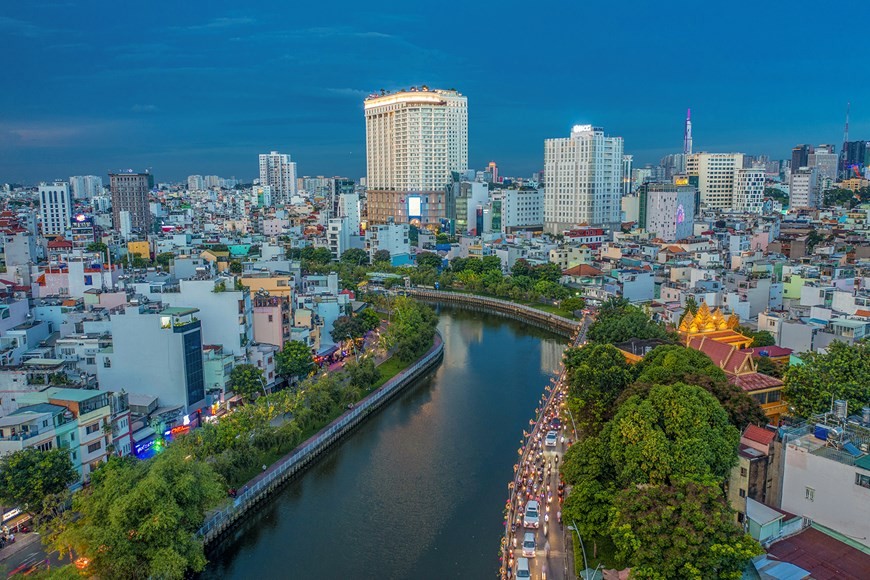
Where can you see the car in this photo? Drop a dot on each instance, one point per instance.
(532, 517)
(551, 439)
(529, 546)
(555, 423)
(523, 568)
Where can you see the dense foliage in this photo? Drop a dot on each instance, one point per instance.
(248, 381)
(618, 321)
(841, 373)
(138, 518)
(647, 477)
(29, 476)
(294, 360)
(411, 328)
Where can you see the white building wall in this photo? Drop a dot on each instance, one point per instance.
(749, 190)
(55, 208)
(716, 175)
(825, 491)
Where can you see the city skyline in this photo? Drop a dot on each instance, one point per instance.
(205, 92)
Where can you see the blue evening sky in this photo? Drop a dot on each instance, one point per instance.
(202, 87)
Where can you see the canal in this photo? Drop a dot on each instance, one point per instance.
(418, 490)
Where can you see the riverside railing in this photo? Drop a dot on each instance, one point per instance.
(291, 465)
(496, 304)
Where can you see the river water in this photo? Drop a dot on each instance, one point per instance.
(418, 490)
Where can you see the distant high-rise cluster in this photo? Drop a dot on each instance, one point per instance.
(130, 210)
(86, 186)
(584, 179)
(415, 139)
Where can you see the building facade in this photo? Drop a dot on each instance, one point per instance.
(414, 140)
(130, 195)
(584, 179)
(748, 189)
(716, 173)
(668, 210)
(55, 208)
(279, 173)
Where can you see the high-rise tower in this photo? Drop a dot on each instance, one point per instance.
(415, 139)
(279, 173)
(687, 136)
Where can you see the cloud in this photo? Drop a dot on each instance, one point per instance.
(216, 24)
(346, 92)
(144, 108)
(59, 133)
(13, 26)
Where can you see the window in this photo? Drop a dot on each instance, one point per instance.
(96, 446)
(742, 493)
(93, 428)
(810, 494)
(90, 360)
(107, 363)
(270, 318)
(742, 472)
(862, 480)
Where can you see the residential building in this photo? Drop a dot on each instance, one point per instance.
(518, 209)
(272, 319)
(716, 173)
(584, 179)
(195, 183)
(749, 189)
(414, 140)
(156, 351)
(55, 208)
(279, 173)
(390, 237)
(130, 195)
(86, 186)
(804, 188)
(667, 211)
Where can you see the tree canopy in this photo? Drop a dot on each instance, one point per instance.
(685, 530)
(347, 328)
(429, 259)
(29, 476)
(841, 373)
(596, 375)
(294, 360)
(138, 518)
(618, 321)
(247, 380)
(412, 328)
(355, 256)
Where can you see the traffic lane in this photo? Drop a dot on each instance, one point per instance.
(554, 563)
(24, 560)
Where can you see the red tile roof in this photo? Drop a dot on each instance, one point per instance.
(774, 351)
(759, 435)
(726, 356)
(861, 312)
(823, 556)
(754, 381)
(582, 270)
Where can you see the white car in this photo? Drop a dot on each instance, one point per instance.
(551, 439)
(523, 568)
(529, 546)
(532, 517)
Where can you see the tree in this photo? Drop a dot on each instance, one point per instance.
(29, 476)
(248, 381)
(363, 375)
(164, 258)
(669, 364)
(681, 531)
(763, 338)
(572, 304)
(369, 319)
(691, 305)
(768, 367)
(381, 256)
(587, 469)
(140, 262)
(138, 518)
(675, 433)
(429, 259)
(347, 328)
(776, 194)
(411, 328)
(618, 321)
(294, 360)
(355, 256)
(235, 267)
(596, 375)
(99, 247)
(841, 373)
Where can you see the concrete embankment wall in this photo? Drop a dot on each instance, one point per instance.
(552, 322)
(291, 465)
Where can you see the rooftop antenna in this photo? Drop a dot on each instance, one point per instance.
(846, 128)
(844, 169)
(687, 136)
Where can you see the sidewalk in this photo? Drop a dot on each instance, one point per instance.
(22, 542)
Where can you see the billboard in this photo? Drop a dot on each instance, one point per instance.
(415, 207)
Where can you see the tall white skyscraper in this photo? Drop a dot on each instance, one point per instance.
(414, 140)
(749, 189)
(55, 208)
(86, 186)
(716, 173)
(278, 172)
(584, 179)
(804, 189)
(195, 183)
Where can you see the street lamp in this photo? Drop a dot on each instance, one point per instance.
(582, 548)
(573, 424)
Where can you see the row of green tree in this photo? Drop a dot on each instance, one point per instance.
(137, 519)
